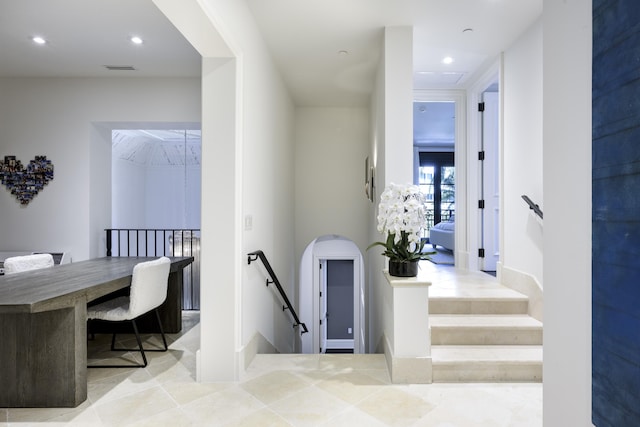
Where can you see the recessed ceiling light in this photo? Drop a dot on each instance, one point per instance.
(38, 40)
(136, 40)
(447, 60)
(468, 30)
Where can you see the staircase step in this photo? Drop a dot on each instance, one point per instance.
(516, 304)
(509, 329)
(493, 363)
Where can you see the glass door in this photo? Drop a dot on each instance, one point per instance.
(436, 178)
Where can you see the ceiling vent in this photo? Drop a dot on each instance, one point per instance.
(434, 78)
(119, 67)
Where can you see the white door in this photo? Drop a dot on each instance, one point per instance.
(490, 182)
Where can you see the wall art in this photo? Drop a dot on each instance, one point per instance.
(25, 183)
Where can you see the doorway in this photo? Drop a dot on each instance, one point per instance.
(332, 296)
(336, 302)
(156, 195)
(434, 141)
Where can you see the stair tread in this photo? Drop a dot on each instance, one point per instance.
(484, 320)
(485, 353)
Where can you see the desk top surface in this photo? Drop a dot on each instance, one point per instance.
(63, 285)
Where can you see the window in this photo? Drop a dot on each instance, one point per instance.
(436, 178)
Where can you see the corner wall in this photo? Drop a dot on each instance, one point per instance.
(522, 232)
(247, 186)
(567, 42)
(392, 126)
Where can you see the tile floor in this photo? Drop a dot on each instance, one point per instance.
(286, 390)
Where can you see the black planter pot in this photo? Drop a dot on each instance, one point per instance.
(403, 268)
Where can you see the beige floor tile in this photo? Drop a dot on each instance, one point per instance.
(185, 391)
(353, 417)
(135, 407)
(394, 406)
(263, 418)
(220, 408)
(352, 387)
(309, 407)
(170, 369)
(174, 417)
(274, 386)
(275, 362)
(105, 391)
(83, 414)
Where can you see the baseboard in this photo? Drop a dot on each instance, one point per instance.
(407, 370)
(526, 284)
(462, 260)
(258, 344)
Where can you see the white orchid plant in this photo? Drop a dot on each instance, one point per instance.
(402, 217)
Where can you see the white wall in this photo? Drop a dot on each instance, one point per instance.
(567, 201)
(522, 154)
(331, 147)
(64, 119)
(128, 207)
(99, 205)
(248, 178)
(392, 126)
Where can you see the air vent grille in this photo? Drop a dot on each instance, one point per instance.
(119, 67)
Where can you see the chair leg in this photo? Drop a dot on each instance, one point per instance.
(135, 329)
(166, 347)
(140, 347)
(164, 340)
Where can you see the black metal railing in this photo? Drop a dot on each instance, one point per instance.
(533, 206)
(127, 242)
(253, 256)
(445, 215)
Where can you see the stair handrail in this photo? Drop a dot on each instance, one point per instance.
(533, 206)
(253, 256)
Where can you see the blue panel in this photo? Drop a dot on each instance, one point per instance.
(616, 213)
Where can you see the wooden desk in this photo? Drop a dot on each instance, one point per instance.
(43, 327)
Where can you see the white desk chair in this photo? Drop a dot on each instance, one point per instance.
(148, 292)
(17, 264)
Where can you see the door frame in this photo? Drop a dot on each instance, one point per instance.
(319, 277)
(492, 74)
(461, 253)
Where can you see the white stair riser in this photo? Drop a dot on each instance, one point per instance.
(487, 371)
(457, 306)
(457, 335)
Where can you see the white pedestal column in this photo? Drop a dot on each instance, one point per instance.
(407, 332)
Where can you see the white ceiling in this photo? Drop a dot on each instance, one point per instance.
(304, 36)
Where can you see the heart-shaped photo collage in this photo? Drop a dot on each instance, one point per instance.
(25, 183)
